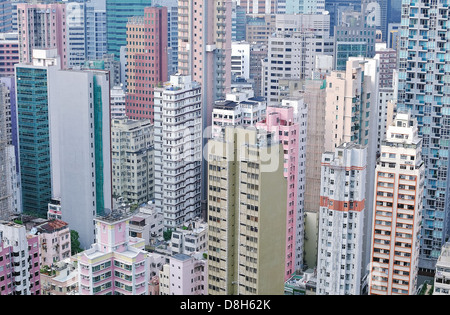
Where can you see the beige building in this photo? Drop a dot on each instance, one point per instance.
(132, 160)
(246, 213)
(398, 194)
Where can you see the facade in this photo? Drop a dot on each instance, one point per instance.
(10, 184)
(305, 6)
(117, 14)
(259, 6)
(147, 224)
(421, 89)
(353, 38)
(399, 179)
(147, 61)
(204, 48)
(292, 52)
(33, 130)
(246, 213)
(441, 278)
(9, 53)
(240, 59)
(172, 33)
(54, 241)
(80, 141)
(388, 63)
(191, 238)
(96, 45)
(183, 275)
(289, 121)
(49, 20)
(341, 221)
(178, 150)
(118, 109)
(20, 264)
(61, 280)
(76, 34)
(116, 264)
(132, 160)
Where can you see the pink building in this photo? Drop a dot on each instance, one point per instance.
(19, 261)
(116, 264)
(286, 122)
(147, 59)
(42, 26)
(9, 53)
(54, 239)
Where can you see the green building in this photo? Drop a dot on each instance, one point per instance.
(117, 14)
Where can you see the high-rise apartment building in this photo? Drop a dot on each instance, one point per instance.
(422, 90)
(341, 220)
(397, 218)
(292, 50)
(288, 122)
(178, 150)
(116, 264)
(117, 14)
(42, 26)
(20, 262)
(146, 61)
(204, 48)
(132, 160)
(96, 45)
(10, 182)
(247, 206)
(351, 116)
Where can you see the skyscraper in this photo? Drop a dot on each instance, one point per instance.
(42, 26)
(422, 89)
(34, 130)
(341, 220)
(147, 60)
(80, 141)
(117, 14)
(246, 213)
(178, 150)
(398, 194)
(288, 121)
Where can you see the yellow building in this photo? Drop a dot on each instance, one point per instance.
(246, 213)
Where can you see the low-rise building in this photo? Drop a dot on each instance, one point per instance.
(60, 279)
(442, 275)
(116, 264)
(54, 241)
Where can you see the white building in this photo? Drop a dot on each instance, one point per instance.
(132, 160)
(192, 238)
(397, 217)
(117, 102)
(240, 59)
(240, 108)
(292, 51)
(76, 33)
(178, 150)
(341, 220)
(442, 276)
(80, 138)
(147, 224)
(184, 275)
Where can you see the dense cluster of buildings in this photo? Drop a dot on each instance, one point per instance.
(236, 147)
